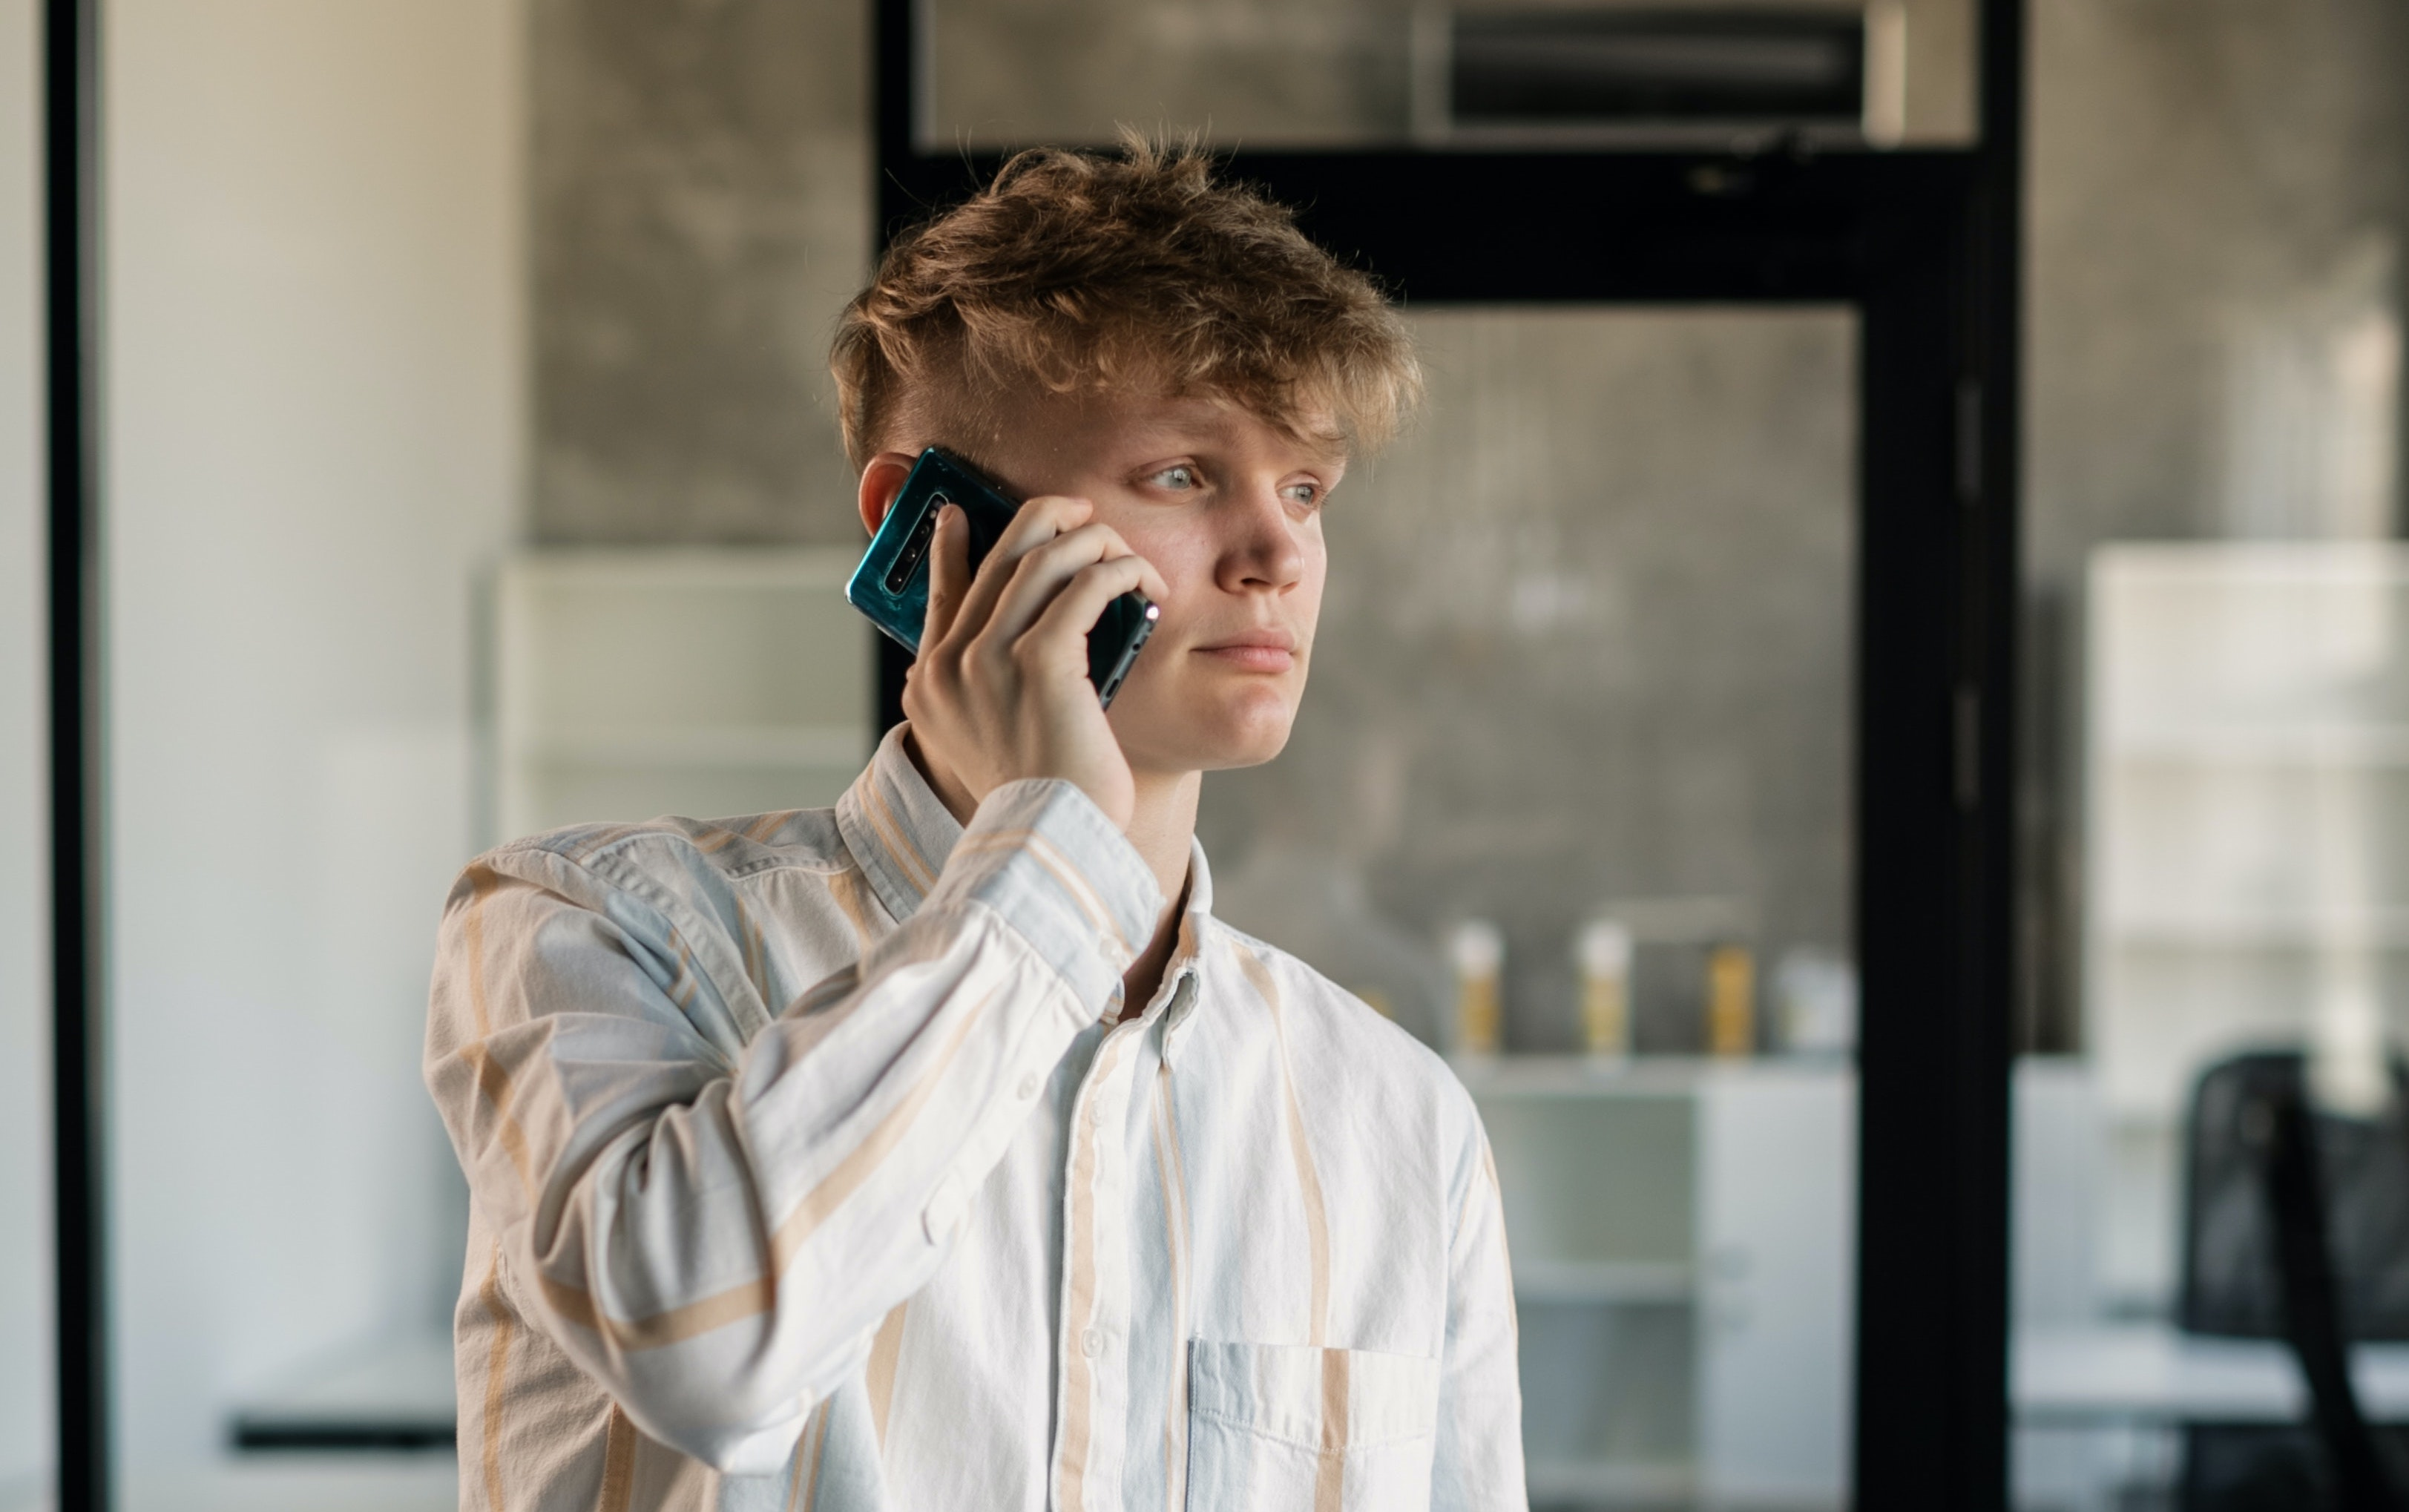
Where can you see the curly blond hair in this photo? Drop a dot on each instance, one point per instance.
(1092, 272)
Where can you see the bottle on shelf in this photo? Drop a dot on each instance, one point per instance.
(1477, 950)
(1731, 1001)
(1602, 954)
(1815, 1004)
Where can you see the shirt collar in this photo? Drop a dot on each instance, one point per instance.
(897, 827)
(1186, 968)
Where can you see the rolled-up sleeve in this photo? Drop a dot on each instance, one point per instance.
(713, 1232)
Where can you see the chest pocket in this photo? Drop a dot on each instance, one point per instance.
(1293, 1428)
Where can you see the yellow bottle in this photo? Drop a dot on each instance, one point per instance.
(1731, 1001)
(1604, 955)
(1477, 952)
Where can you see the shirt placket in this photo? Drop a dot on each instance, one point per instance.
(1091, 1413)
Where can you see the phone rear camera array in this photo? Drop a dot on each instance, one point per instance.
(916, 549)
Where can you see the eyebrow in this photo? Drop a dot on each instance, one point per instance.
(1325, 449)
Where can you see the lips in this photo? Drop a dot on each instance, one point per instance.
(1256, 651)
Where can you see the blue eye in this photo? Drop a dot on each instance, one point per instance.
(1181, 476)
(1307, 495)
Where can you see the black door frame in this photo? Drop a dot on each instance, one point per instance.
(70, 49)
(1926, 246)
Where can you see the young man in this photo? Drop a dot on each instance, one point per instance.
(941, 1150)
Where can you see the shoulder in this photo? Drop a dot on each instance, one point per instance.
(668, 886)
(1337, 1041)
(729, 918)
(670, 857)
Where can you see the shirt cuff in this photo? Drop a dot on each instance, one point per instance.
(1042, 854)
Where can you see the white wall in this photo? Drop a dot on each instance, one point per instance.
(25, 1422)
(315, 389)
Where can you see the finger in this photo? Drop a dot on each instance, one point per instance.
(1037, 522)
(1043, 570)
(949, 573)
(1063, 629)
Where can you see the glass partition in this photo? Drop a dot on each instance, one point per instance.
(27, 1390)
(313, 368)
(1386, 73)
(2214, 774)
(1571, 798)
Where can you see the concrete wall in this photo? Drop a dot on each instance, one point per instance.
(701, 207)
(315, 389)
(1572, 656)
(25, 1395)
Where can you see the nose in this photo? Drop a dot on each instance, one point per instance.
(1260, 552)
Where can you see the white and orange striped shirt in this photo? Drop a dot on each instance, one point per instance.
(814, 1165)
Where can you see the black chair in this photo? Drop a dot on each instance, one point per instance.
(2296, 1227)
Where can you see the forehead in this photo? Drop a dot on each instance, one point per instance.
(1132, 427)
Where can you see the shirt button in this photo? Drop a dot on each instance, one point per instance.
(1091, 1342)
(1028, 1088)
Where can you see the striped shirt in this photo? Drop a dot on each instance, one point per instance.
(815, 1164)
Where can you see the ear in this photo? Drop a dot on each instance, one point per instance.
(881, 481)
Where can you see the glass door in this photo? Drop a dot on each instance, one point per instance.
(2216, 872)
(1673, 690)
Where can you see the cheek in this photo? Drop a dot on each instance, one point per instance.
(1187, 572)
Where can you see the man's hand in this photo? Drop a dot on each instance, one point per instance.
(1000, 691)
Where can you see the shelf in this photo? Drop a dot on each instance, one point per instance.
(2377, 745)
(1611, 1482)
(2386, 929)
(1636, 1077)
(2150, 1373)
(759, 745)
(395, 1396)
(1625, 1282)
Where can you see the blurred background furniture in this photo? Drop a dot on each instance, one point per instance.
(2247, 739)
(1683, 1233)
(2296, 1227)
(630, 683)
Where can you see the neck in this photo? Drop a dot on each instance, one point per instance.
(1162, 822)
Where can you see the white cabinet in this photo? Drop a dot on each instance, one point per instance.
(632, 684)
(1683, 1234)
(1777, 1227)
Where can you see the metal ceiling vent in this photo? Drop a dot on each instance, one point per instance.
(1663, 72)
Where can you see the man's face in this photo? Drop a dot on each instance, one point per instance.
(1228, 508)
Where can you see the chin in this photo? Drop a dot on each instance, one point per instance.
(1241, 749)
(1205, 734)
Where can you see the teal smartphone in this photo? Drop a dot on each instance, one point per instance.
(891, 584)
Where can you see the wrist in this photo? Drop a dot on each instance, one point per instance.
(942, 780)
